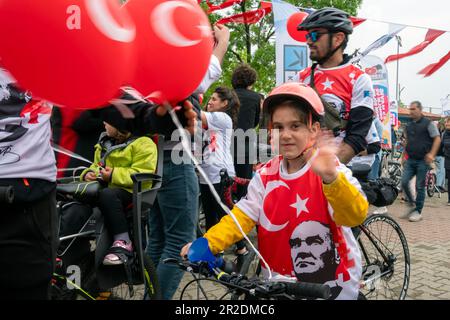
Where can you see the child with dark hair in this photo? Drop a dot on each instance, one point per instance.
(118, 155)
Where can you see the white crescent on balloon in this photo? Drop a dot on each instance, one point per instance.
(263, 220)
(101, 17)
(163, 24)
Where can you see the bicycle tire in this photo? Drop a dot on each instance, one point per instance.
(431, 185)
(148, 291)
(384, 278)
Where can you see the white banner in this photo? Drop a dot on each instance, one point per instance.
(291, 56)
(376, 69)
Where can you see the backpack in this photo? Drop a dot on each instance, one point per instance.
(331, 119)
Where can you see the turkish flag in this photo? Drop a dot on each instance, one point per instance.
(249, 17)
(429, 38)
(432, 68)
(223, 5)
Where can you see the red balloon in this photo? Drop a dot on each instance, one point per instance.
(292, 24)
(74, 53)
(174, 43)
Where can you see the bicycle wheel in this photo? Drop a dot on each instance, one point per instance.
(431, 185)
(385, 259)
(148, 291)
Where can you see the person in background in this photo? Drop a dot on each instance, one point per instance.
(173, 218)
(220, 114)
(375, 172)
(28, 225)
(243, 79)
(422, 144)
(118, 155)
(76, 131)
(446, 151)
(440, 162)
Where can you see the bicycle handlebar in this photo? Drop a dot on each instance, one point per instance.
(7, 194)
(256, 287)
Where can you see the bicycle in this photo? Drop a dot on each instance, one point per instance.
(382, 243)
(82, 249)
(391, 169)
(211, 269)
(430, 184)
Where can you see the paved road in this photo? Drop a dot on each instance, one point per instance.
(429, 247)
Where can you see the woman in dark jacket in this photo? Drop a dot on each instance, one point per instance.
(446, 150)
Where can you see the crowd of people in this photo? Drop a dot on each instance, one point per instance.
(297, 199)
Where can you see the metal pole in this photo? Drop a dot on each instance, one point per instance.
(397, 97)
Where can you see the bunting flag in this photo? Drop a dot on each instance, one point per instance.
(394, 29)
(432, 68)
(356, 21)
(223, 5)
(249, 17)
(429, 38)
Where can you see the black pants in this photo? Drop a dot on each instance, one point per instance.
(447, 174)
(213, 211)
(27, 249)
(243, 171)
(112, 203)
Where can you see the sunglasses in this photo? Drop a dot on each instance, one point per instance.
(314, 35)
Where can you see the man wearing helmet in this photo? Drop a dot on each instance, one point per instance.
(306, 185)
(345, 87)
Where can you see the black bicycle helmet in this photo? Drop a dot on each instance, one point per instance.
(332, 19)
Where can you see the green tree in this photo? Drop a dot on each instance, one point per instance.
(255, 44)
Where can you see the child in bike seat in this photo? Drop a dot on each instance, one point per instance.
(221, 113)
(304, 201)
(118, 155)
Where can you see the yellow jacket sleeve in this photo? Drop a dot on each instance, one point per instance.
(226, 232)
(349, 204)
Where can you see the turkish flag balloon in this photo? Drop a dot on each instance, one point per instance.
(74, 53)
(292, 24)
(174, 43)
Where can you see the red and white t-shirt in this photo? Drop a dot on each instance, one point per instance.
(296, 227)
(344, 87)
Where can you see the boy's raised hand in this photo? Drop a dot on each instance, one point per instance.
(325, 163)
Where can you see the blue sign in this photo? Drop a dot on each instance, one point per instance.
(295, 57)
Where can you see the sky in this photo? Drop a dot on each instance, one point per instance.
(430, 14)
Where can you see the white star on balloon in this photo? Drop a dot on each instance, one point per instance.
(327, 84)
(300, 205)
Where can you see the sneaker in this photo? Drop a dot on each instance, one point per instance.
(415, 216)
(381, 210)
(448, 204)
(112, 259)
(408, 212)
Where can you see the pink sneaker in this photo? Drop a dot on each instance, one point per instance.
(118, 246)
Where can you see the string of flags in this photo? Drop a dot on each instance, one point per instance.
(254, 16)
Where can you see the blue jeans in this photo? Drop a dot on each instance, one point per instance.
(173, 221)
(440, 171)
(374, 173)
(419, 169)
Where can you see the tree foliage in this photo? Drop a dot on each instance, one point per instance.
(255, 44)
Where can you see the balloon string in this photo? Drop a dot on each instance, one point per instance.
(187, 148)
(69, 153)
